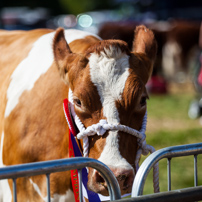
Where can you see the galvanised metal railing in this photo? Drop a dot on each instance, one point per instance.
(191, 194)
(48, 167)
(169, 153)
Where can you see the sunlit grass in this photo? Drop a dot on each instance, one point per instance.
(172, 106)
(169, 125)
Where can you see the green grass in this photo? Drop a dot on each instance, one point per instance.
(171, 137)
(172, 106)
(169, 125)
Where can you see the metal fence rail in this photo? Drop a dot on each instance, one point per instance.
(186, 195)
(47, 167)
(169, 153)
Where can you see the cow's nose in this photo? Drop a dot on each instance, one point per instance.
(124, 177)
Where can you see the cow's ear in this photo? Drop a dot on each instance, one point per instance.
(144, 45)
(63, 56)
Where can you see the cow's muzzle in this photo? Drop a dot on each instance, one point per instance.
(124, 177)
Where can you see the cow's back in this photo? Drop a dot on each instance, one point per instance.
(14, 47)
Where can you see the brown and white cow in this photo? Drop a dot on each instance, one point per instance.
(37, 68)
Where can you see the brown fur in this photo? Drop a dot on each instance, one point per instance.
(105, 44)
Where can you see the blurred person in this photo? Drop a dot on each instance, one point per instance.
(195, 109)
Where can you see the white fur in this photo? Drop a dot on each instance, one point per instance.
(69, 196)
(109, 73)
(34, 65)
(37, 189)
(5, 192)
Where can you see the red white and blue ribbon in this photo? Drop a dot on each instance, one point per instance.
(74, 151)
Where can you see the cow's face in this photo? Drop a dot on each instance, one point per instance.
(108, 82)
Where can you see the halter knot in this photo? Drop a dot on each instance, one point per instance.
(93, 129)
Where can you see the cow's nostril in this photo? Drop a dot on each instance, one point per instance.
(96, 183)
(127, 183)
(99, 178)
(125, 178)
(121, 177)
(124, 181)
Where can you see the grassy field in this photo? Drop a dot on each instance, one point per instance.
(169, 125)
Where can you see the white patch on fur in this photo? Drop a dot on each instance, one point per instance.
(111, 155)
(38, 61)
(69, 196)
(37, 189)
(5, 192)
(109, 72)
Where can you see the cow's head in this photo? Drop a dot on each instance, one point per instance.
(108, 82)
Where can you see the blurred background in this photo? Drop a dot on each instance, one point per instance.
(175, 88)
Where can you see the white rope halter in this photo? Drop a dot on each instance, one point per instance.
(100, 129)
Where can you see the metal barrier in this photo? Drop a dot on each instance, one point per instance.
(185, 195)
(47, 167)
(169, 153)
(192, 194)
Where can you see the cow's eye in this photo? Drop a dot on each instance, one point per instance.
(77, 102)
(143, 101)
